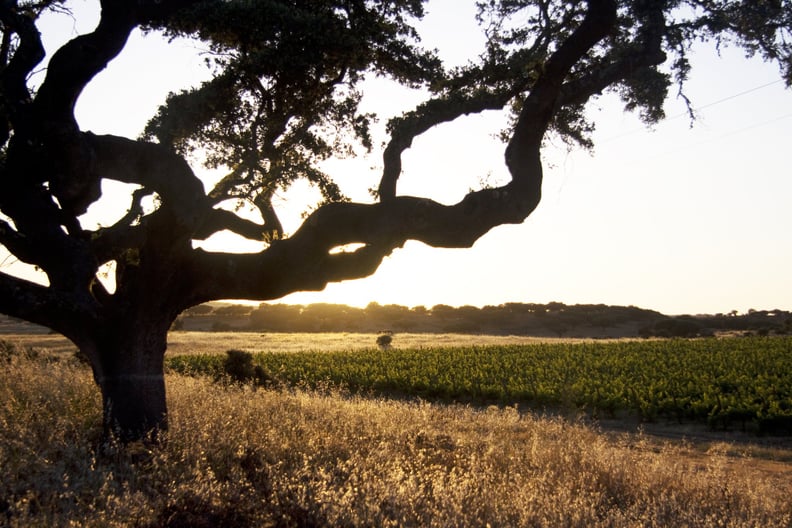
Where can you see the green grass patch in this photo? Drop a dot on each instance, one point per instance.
(741, 383)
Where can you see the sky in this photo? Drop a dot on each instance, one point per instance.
(675, 218)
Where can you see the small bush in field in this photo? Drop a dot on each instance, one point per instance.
(239, 366)
(384, 341)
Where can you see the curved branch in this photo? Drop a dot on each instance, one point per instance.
(73, 66)
(64, 257)
(406, 128)
(540, 105)
(158, 169)
(220, 220)
(69, 70)
(28, 54)
(109, 242)
(645, 54)
(52, 125)
(17, 244)
(154, 167)
(306, 261)
(68, 314)
(538, 108)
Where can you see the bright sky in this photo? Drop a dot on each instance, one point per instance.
(677, 219)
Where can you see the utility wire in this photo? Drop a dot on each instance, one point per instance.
(729, 98)
(750, 127)
(694, 110)
(681, 148)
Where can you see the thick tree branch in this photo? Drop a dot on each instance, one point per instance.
(406, 128)
(17, 244)
(66, 259)
(537, 110)
(69, 70)
(155, 168)
(644, 54)
(219, 220)
(29, 53)
(540, 105)
(307, 261)
(73, 66)
(78, 61)
(159, 170)
(69, 314)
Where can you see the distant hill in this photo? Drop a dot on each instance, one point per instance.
(526, 319)
(542, 320)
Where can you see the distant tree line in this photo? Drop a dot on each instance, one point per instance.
(754, 322)
(552, 319)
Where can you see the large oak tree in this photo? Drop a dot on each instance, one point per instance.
(283, 97)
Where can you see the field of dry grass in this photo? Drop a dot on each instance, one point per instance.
(239, 457)
(219, 342)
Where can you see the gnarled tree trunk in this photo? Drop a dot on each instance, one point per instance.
(129, 369)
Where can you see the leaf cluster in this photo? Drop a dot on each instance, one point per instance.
(285, 91)
(665, 28)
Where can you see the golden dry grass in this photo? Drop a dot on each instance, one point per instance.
(214, 342)
(219, 342)
(239, 457)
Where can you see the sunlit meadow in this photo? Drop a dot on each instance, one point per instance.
(236, 456)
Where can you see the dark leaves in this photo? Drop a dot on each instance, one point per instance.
(284, 97)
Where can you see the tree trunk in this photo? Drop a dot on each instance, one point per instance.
(131, 378)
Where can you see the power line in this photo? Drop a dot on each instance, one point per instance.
(695, 110)
(690, 146)
(729, 98)
(750, 127)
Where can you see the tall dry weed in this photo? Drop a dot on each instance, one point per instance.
(243, 457)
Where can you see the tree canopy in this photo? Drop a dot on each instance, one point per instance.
(284, 96)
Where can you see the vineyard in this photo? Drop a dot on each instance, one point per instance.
(743, 383)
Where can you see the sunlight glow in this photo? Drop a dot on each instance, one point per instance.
(680, 219)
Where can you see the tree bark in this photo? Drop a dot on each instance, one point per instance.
(129, 369)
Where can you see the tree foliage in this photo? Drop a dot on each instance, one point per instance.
(284, 96)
